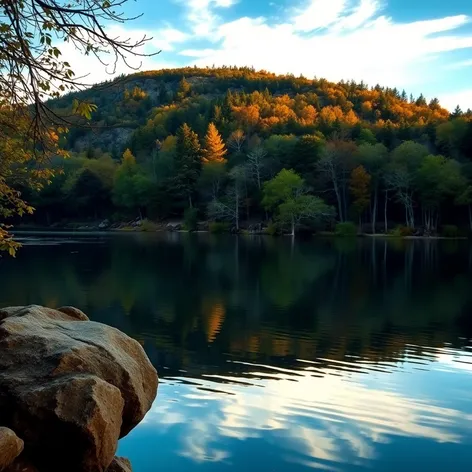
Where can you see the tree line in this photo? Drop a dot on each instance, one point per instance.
(239, 147)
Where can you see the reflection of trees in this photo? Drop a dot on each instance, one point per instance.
(196, 299)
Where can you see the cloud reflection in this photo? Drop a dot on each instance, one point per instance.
(320, 421)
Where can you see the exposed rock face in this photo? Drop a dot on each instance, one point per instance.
(10, 447)
(70, 387)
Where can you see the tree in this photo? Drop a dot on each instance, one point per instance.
(255, 164)
(34, 71)
(187, 161)
(450, 136)
(306, 153)
(359, 186)
(183, 90)
(236, 140)
(437, 179)
(132, 188)
(465, 198)
(285, 194)
(374, 159)
(402, 173)
(211, 179)
(214, 149)
(335, 165)
(89, 195)
(229, 208)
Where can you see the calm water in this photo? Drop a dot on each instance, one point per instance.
(334, 355)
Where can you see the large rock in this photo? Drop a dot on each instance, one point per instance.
(70, 387)
(120, 464)
(11, 447)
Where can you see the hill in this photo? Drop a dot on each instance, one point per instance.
(330, 134)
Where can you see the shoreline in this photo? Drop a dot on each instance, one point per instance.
(138, 229)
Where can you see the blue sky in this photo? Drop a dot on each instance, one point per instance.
(420, 45)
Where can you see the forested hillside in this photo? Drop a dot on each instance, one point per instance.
(240, 146)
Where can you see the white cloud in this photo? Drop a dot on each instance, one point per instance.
(319, 14)
(92, 71)
(339, 39)
(165, 39)
(201, 14)
(463, 98)
(328, 419)
(335, 39)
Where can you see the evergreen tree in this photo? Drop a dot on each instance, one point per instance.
(457, 112)
(187, 161)
(215, 149)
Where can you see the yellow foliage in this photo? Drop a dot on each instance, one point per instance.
(351, 118)
(247, 116)
(128, 158)
(330, 114)
(169, 143)
(215, 149)
(214, 314)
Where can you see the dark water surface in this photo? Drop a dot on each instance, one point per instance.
(334, 355)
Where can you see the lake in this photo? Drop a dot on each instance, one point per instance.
(275, 355)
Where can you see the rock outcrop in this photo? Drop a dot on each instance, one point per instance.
(11, 447)
(70, 387)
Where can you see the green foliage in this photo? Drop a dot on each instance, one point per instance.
(403, 231)
(450, 231)
(346, 229)
(272, 229)
(284, 194)
(239, 145)
(218, 227)
(190, 219)
(148, 226)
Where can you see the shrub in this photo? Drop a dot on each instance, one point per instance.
(217, 227)
(402, 231)
(450, 231)
(148, 226)
(272, 229)
(346, 229)
(190, 219)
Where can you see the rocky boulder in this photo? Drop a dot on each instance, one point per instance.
(10, 447)
(70, 387)
(120, 464)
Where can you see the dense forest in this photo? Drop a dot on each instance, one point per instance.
(237, 147)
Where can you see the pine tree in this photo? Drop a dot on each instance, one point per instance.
(228, 104)
(188, 161)
(215, 149)
(457, 112)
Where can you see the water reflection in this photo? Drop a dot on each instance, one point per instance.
(338, 355)
(315, 415)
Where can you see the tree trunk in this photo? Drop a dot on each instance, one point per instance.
(344, 201)
(338, 198)
(293, 227)
(237, 210)
(470, 216)
(374, 209)
(190, 200)
(385, 211)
